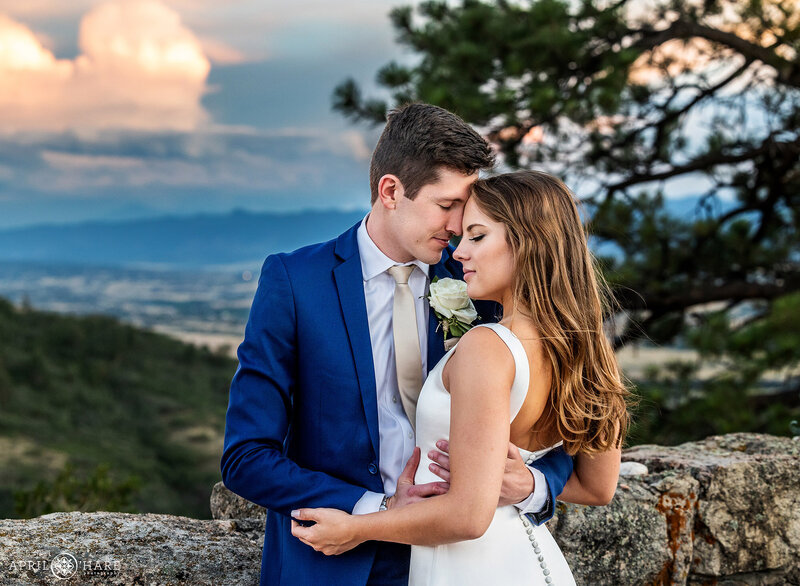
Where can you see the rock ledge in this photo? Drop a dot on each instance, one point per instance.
(725, 510)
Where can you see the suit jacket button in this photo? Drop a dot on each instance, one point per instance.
(373, 469)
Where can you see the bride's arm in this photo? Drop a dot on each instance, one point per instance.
(594, 478)
(480, 373)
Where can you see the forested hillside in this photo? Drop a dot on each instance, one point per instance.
(97, 415)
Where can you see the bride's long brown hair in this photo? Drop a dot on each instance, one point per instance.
(558, 285)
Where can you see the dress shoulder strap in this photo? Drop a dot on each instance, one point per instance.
(522, 376)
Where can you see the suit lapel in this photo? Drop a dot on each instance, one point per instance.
(350, 286)
(435, 333)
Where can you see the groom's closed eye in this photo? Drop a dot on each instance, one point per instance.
(447, 204)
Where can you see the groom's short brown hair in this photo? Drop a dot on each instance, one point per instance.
(418, 140)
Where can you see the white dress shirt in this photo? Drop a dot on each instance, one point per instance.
(395, 432)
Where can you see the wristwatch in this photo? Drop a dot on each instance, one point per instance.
(384, 503)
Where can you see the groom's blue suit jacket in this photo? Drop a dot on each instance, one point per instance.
(302, 422)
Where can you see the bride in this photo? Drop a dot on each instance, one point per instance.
(544, 376)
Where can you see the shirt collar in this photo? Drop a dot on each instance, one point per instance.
(373, 261)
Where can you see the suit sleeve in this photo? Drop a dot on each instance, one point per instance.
(253, 464)
(556, 466)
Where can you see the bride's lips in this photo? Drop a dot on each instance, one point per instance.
(468, 273)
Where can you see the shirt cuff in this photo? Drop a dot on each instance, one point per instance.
(537, 500)
(369, 503)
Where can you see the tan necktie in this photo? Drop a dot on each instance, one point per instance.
(406, 342)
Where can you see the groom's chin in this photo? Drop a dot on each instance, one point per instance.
(431, 255)
(435, 258)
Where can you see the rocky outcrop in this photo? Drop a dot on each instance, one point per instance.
(725, 511)
(116, 548)
(732, 508)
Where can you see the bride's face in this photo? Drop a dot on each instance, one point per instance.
(486, 256)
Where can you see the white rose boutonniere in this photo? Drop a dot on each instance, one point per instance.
(453, 308)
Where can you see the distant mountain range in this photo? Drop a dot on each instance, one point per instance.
(239, 237)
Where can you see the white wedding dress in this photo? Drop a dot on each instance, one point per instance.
(513, 550)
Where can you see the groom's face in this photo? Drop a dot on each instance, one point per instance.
(424, 225)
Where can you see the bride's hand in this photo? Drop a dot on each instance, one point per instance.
(333, 532)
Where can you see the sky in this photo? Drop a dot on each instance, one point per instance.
(113, 109)
(122, 109)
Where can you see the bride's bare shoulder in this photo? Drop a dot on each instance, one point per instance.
(481, 352)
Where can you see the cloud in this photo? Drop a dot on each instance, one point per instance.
(258, 12)
(38, 9)
(221, 53)
(252, 30)
(106, 113)
(348, 143)
(220, 159)
(139, 68)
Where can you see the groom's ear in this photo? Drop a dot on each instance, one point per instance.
(390, 189)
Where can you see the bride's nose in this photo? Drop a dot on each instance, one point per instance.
(460, 253)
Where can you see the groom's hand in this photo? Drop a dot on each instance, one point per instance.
(518, 480)
(407, 491)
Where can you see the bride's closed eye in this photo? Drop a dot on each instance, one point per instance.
(477, 238)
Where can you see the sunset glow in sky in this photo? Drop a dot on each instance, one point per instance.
(125, 108)
(115, 109)
(138, 68)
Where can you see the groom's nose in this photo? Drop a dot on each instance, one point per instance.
(454, 221)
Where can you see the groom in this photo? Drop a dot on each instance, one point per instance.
(316, 416)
